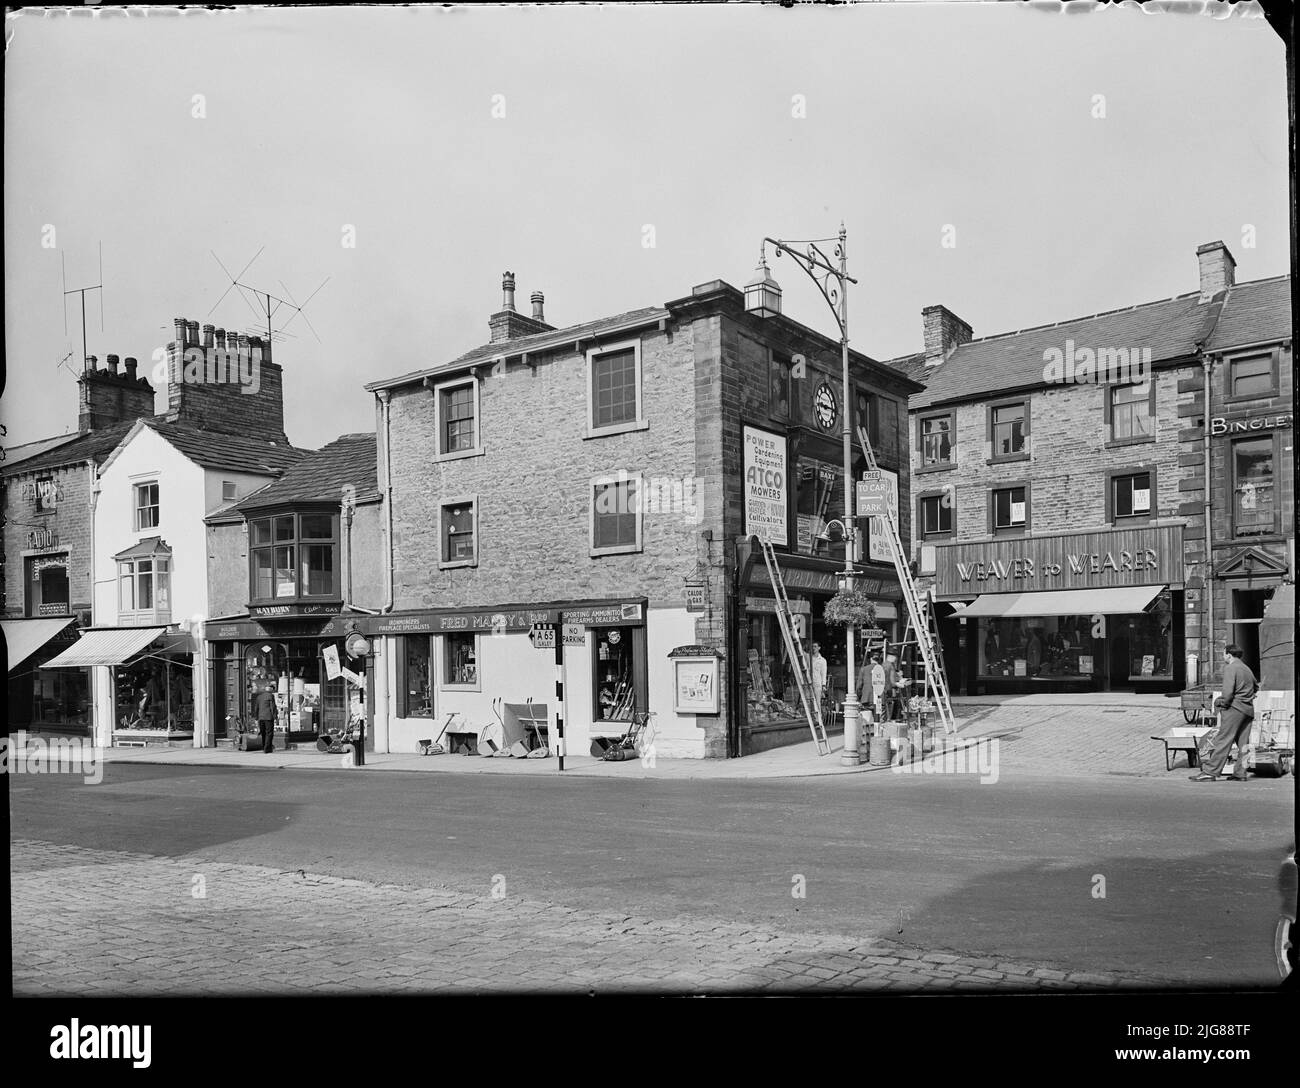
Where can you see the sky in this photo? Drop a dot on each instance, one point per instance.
(612, 157)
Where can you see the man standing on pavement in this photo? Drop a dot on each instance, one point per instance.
(264, 708)
(818, 671)
(1236, 705)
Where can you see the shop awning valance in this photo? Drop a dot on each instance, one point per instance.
(105, 646)
(1119, 601)
(24, 637)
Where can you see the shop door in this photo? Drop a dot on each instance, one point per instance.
(1243, 629)
(1117, 656)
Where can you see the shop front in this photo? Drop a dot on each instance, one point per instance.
(41, 699)
(1068, 613)
(283, 651)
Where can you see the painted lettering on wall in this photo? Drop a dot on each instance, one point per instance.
(1221, 425)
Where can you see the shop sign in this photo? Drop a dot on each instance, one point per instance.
(39, 540)
(695, 598)
(492, 620)
(574, 634)
(1222, 425)
(766, 486)
(605, 615)
(291, 611)
(819, 581)
(873, 634)
(44, 493)
(1127, 557)
(768, 604)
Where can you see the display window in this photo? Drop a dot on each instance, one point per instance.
(415, 684)
(460, 660)
(618, 687)
(155, 692)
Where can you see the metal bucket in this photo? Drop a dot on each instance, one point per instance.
(880, 751)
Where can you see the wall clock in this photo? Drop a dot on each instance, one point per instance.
(825, 407)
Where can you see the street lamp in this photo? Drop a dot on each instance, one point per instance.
(763, 298)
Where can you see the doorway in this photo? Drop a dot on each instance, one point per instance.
(1247, 612)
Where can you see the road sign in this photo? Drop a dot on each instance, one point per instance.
(543, 636)
(873, 496)
(575, 634)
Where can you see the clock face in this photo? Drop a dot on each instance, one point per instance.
(825, 407)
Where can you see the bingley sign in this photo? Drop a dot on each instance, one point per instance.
(765, 477)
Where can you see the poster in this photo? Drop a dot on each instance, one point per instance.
(1085, 664)
(766, 482)
(695, 685)
(1148, 664)
(332, 668)
(879, 548)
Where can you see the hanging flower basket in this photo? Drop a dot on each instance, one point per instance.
(850, 609)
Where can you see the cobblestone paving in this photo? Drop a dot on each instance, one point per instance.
(89, 922)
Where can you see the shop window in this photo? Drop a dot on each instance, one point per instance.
(936, 439)
(154, 693)
(1150, 641)
(614, 388)
(1132, 412)
(1253, 511)
(937, 514)
(47, 586)
(616, 523)
(459, 520)
(1010, 509)
(146, 506)
(294, 556)
(460, 660)
(819, 500)
(415, 682)
(781, 402)
(1008, 430)
(1252, 376)
(457, 410)
(144, 590)
(615, 681)
(1132, 496)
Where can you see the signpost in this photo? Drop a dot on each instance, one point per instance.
(543, 636)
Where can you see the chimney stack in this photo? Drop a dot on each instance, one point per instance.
(130, 366)
(112, 364)
(1218, 269)
(944, 330)
(538, 299)
(508, 290)
(94, 362)
(107, 397)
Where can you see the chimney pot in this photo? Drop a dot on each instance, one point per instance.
(192, 333)
(221, 338)
(179, 324)
(1218, 269)
(112, 363)
(538, 299)
(508, 290)
(207, 335)
(130, 368)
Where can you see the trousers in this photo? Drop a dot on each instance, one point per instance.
(1234, 728)
(268, 733)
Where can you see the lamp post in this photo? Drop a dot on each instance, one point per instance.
(763, 298)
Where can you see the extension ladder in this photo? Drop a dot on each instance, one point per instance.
(794, 650)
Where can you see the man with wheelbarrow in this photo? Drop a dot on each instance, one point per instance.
(1236, 705)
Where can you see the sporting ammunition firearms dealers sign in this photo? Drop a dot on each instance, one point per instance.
(1127, 557)
(766, 484)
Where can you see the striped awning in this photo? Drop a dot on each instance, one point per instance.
(24, 637)
(105, 646)
(1112, 601)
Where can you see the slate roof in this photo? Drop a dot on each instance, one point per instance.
(536, 342)
(1255, 311)
(1171, 328)
(320, 476)
(14, 454)
(94, 445)
(236, 453)
(911, 366)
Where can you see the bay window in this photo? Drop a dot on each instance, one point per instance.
(294, 556)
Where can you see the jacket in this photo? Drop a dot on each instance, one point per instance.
(1238, 688)
(819, 670)
(264, 706)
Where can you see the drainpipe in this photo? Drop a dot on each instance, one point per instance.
(1207, 664)
(384, 395)
(345, 517)
(383, 697)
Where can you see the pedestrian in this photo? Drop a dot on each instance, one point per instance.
(889, 688)
(1236, 705)
(1034, 652)
(264, 708)
(818, 673)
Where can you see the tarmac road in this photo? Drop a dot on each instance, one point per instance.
(1009, 871)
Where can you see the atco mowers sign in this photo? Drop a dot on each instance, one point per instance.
(766, 483)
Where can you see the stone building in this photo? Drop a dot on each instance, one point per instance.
(1059, 487)
(607, 477)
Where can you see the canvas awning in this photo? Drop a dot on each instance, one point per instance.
(1120, 601)
(105, 646)
(24, 637)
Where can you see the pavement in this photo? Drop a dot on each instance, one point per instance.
(1097, 734)
(151, 926)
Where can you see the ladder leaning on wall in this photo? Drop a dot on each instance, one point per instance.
(794, 650)
(936, 683)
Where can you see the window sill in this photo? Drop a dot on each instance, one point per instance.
(617, 428)
(1008, 459)
(460, 687)
(1017, 531)
(938, 538)
(1116, 443)
(452, 564)
(1123, 523)
(942, 466)
(622, 549)
(460, 455)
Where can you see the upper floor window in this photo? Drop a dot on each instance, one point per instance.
(457, 416)
(616, 516)
(614, 388)
(294, 556)
(1010, 509)
(936, 514)
(1008, 429)
(1130, 496)
(937, 439)
(459, 533)
(865, 414)
(146, 505)
(781, 402)
(1252, 376)
(1253, 492)
(229, 491)
(144, 586)
(1132, 414)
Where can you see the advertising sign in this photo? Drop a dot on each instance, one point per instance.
(695, 685)
(333, 669)
(879, 548)
(766, 486)
(695, 598)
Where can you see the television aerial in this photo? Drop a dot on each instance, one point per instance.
(268, 305)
